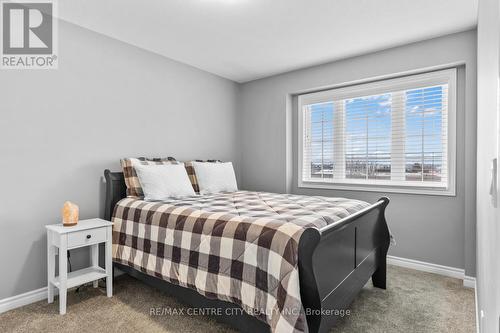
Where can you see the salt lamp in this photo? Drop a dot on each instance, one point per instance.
(69, 214)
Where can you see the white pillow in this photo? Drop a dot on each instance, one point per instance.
(215, 177)
(160, 182)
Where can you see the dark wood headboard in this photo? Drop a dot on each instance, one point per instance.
(115, 191)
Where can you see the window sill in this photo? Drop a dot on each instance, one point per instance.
(379, 188)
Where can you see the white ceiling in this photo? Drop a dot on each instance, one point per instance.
(243, 40)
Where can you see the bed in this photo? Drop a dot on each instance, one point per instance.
(328, 248)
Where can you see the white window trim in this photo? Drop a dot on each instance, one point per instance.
(446, 76)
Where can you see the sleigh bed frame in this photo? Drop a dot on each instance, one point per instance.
(335, 262)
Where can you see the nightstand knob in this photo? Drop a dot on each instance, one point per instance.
(88, 236)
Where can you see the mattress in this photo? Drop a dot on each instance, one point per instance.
(240, 247)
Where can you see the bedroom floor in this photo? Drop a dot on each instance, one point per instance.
(414, 302)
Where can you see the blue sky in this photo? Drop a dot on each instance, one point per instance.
(422, 120)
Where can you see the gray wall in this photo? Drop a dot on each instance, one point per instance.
(433, 229)
(59, 129)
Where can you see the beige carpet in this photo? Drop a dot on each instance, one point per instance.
(414, 302)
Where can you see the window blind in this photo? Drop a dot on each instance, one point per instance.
(392, 133)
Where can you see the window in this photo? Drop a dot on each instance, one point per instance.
(396, 135)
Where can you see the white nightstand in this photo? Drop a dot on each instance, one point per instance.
(85, 233)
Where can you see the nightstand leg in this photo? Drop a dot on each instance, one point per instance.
(51, 267)
(109, 263)
(94, 259)
(63, 274)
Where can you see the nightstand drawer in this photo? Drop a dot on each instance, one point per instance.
(86, 237)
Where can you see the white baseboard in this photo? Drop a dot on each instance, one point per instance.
(469, 282)
(17, 301)
(457, 273)
(33, 296)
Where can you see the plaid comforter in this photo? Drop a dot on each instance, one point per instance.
(239, 247)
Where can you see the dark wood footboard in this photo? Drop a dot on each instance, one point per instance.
(335, 262)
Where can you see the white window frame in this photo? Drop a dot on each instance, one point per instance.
(447, 76)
